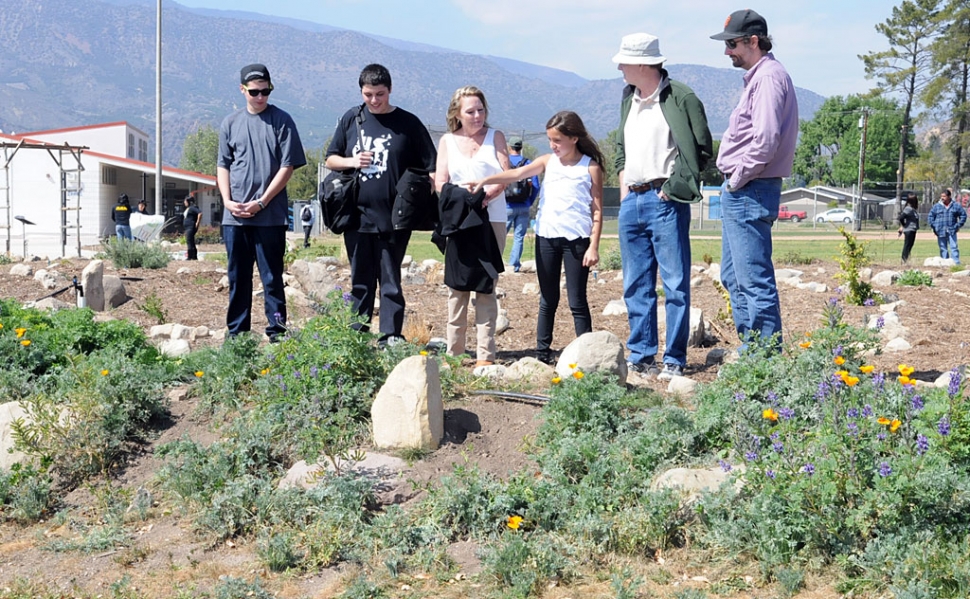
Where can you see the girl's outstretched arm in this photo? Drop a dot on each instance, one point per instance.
(592, 256)
(510, 176)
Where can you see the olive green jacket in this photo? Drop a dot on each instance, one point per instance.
(685, 116)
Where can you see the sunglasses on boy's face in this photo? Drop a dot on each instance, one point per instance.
(257, 92)
(732, 44)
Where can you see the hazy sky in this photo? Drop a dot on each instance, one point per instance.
(818, 41)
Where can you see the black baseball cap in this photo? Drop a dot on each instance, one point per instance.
(741, 23)
(515, 143)
(254, 71)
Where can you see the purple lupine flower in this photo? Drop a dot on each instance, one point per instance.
(316, 337)
(869, 302)
(833, 301)
(313, 371)
(852, 413)
(837, 351)
(881, 437)
(880, 322)
(878, 380)
(853, 429)
(327, 366)
(953, 389)
(916, 403)
(756, 440)
(278, 317)
(283, 387)
(867, 411)
(922, 444)
(739, 396)
(809, 469)
(774, 436)
(786, 413)
(725, 465)
(348, 298)
(944, 426)
(885, 469)
(772, 397)
(297, 374)
(778, 447)
(823, 390)
(751, 456)
(770, 474)
(290, 357)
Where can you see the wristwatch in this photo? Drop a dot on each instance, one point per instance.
(260, 204)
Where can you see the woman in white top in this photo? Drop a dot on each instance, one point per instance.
(568, 223)
(471, 152)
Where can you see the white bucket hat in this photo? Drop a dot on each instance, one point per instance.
(639, 48)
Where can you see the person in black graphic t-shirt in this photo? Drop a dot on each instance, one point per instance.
(394, 141)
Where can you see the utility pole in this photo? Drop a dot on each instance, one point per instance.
(864, 125)
(159, 184)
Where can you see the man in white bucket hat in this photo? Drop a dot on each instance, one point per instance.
(662, 147)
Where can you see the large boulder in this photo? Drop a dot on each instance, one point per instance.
(315, 279)
(531, 370)
(408, 411)
(600, 351)
(92, 282)
(10, 412)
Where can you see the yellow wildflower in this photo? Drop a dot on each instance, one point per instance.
(894, 425)
(1, 325)
(866, 368)
(264, 372)
(25, 342)
(578, 374)
(839, 360)
(20, 332)
(808, 333)
(805, 344)
(104, 372)
(770, 414)
(423, 352)
(851, 381)
(199, 374)
(905, 380)
(906, 370)
(883, 420)
(514, 522)
(841, 373)
(556, 380)
(573, 366)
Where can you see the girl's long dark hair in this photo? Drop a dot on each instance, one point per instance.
(569, 124)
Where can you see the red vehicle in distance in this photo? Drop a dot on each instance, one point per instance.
(785, 214)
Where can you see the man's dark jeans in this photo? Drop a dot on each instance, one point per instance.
(264, 246)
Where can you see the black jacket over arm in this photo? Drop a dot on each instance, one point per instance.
(472, 257)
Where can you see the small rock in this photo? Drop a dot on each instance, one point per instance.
(528, 266)
(615, 308)
(682, 385)
(530, 289)
(898, 344)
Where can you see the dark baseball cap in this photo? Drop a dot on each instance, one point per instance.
(516, 143)
(741, 23)
(252, 72)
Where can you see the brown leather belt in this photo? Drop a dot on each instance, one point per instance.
(656, 184)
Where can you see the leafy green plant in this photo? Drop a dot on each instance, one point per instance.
(915, 278)
(794, 258)
(125, 253)
(153, 307)
(612, 259)
(853, 258)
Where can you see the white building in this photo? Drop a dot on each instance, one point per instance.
(66, 182)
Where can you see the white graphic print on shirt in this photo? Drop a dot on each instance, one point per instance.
(380, 147)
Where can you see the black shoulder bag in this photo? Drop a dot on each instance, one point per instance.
(338, 192)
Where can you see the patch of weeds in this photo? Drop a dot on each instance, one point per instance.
(794, 258)
(691, 594)
(124, 253)
(611, 259)
(707, 259)
(854, 256)
(915, 278)
(790, 579)
(153, 307)
(624, 585)
(523, 564)
(724, 314)
(228, 371)
(957, 268)
(231, 587)
(278, 550)
(662, 577)
(25, 493)
(414, 454)
(201, 280)
(218, 257)
(731, 585)
(363, 588)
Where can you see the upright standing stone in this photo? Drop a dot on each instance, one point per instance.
(92, 281)
(408, 411)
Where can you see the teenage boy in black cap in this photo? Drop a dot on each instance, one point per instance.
(756, 152)
(259, 148)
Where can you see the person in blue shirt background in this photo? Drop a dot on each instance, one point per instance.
(519, 199)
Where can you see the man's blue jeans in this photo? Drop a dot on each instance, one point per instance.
(655, 234)
(949, 238)
(264, 246)
(747, 272)
(518, 222)
(123, 231)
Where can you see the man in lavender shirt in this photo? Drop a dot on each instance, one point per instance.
(756, 151)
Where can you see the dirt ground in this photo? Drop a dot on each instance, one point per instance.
(484, 431)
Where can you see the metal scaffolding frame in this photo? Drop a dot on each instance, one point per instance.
(70, 183)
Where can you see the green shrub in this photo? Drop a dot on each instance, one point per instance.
(854, 256)
(915, 278)
(124, 253)
(612, 259)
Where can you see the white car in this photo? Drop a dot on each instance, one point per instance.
(835, 215)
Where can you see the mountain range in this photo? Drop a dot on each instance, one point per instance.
(67, 63)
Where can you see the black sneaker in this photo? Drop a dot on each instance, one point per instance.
(545, 356)
(670, 371)
(645, 368)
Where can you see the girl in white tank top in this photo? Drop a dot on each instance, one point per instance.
(568, 223)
